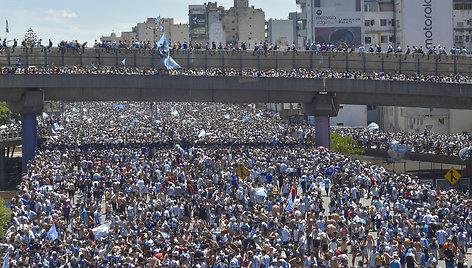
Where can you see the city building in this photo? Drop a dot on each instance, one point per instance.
(463, 24)
(379, 22)
(280, 31)
(244, 23)
(149, 32)
(216, 30)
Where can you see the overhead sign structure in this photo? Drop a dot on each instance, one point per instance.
(452, 176)
(242, 172)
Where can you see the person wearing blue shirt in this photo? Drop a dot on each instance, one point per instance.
(395, 263)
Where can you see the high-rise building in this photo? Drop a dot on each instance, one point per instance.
(379, 22)
(244, 23)
(215, 29)
(463, 24)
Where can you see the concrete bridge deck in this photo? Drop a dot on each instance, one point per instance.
(91, 87)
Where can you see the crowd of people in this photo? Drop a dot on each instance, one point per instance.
(270, 73)
(431, 143)
(216, 185)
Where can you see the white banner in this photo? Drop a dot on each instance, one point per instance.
(427, 23)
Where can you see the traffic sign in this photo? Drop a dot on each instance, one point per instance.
(452, 176)
(242, 172)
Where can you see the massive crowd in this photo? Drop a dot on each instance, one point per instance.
(295, 73)
(213, 185)
(425, 142)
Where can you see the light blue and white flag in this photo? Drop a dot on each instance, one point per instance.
(75, 110)
(52, 233)
(6, 260)
(163, 44)
(174, 112)
(227, 116)
(123, 61)
(101, 231)
(170, 63)
(7, 29)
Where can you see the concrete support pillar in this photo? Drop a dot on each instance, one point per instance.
(29, 138)
(322, 131)
(322, 106)
(30, 105)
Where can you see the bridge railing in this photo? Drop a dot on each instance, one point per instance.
(336, 61)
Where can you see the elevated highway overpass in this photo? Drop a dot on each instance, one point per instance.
(321, 97)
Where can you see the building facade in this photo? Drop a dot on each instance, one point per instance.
(280, 32)
(463, 24)
(149, 32)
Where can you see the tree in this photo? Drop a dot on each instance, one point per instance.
(344, 144)
(30, 38)
(5, 217)
(6, 115)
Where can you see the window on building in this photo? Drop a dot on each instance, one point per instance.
(460, 24)
(372, 22)
(368, 40)
(383, 22)
(441, 121)
(467, 38)
(384, 39)
(374, 7)
(340, 124)
(391, 39)
(367, 22)
(371, 107)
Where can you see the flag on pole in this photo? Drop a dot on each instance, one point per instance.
(123, 61)
(160, 24)
(7, 30)
(53, 234)
(6, 260)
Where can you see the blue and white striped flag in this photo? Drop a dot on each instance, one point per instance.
(7, 29)
(6, 260)
(123, 61)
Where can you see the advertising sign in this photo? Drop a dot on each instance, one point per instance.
(427, 23)
(197, 25)
(339, 22)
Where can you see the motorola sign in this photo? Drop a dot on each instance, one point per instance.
(427, 23)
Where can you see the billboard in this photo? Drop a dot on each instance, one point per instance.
(339, 21)
(427, 23)
(198, 25)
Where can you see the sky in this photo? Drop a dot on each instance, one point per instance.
(87, 20)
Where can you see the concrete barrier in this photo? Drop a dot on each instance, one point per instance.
(337, 61)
